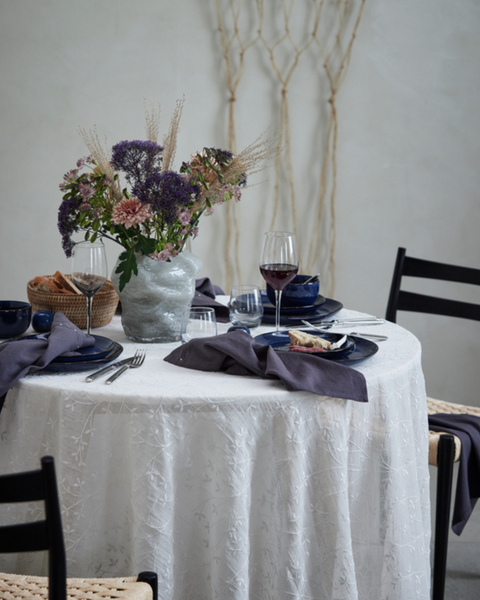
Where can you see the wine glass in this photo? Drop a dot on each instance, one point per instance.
(89, 271)
(245, 306)
(279, 264)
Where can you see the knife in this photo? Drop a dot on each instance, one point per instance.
(360, 321)
(107, 369)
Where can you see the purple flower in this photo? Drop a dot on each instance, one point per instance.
(137, 159)
(67, 222)
(167, 192)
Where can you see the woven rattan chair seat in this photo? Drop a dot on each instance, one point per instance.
(440, 406)
(20, 587)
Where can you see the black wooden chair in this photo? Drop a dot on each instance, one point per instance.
(47, 534)
(444, 449)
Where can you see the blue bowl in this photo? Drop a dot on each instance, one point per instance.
(297, 293)
(42, 321)
(15, 318)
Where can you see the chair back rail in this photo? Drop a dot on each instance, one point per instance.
(426, 269)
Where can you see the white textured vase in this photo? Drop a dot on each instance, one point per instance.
(154, 301)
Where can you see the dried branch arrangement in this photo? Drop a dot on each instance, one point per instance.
(328, 33)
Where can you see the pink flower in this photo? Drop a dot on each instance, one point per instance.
(169, 251)
(184, 217)
(130, 212)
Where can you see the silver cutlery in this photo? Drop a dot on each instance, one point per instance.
(373, 336)
(317, 276)
(345, 323)
(112, 367)
(137, 361)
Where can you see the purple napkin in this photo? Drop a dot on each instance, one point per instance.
(237, 353)
(205, 292)
(26, 356)
(467, 428)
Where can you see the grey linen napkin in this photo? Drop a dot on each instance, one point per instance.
(205, 292)
(467, 428)
(237, 353)
(26, 356)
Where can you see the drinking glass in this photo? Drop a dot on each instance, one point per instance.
(89, 271)
(199, 322)
(245, 306)
(279, 264)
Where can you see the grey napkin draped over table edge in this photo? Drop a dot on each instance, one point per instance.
(237, 353)
(467, 428)
(17, 358)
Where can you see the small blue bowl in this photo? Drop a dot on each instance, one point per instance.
(42, 321)
(297, 293)
(15, 318)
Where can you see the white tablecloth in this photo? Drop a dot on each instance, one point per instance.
(231, 487)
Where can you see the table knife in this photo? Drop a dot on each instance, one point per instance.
(107, 369)
(348, 322)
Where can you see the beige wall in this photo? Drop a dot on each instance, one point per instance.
(408, 154)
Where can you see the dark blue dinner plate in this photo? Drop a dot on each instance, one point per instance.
(100, 348)
(360, 349)
(85, 365)
(325, 309)
(269, 308)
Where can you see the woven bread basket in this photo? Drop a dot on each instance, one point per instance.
(74, 306)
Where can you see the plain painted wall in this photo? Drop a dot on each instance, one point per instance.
(408, 152)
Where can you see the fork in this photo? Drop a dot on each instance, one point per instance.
(137, 361)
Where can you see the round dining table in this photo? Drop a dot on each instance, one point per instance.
(232, 487)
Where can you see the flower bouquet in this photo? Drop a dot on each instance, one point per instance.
(151, 215)
(159, 209)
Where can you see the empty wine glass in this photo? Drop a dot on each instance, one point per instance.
(198, 322)
(245, 306)
(279, 264)
(89, 271)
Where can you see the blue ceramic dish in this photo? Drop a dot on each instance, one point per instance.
(42, 321)
(297, 293)
(15, 318)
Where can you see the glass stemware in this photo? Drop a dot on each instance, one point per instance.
(279, 264)
(89, 271)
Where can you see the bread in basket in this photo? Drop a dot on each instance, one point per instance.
(72, 305)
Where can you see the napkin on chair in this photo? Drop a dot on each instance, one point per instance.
(26, 356)
(205, 292)
(237, 353)
(467, 428)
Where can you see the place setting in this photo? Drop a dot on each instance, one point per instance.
(293, 301)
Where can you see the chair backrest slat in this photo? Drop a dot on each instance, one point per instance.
(40, 535)
(426, 269)
(24, 537)
(437, 306)
(22, 487)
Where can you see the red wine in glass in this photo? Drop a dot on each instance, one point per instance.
(279, 264)
(278, 275)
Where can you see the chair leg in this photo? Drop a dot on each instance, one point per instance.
(151, 578)
(446, 455)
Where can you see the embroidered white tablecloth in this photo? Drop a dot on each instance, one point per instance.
(231, 487)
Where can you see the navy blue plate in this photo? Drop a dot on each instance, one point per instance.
(361, 348)
(100, 349)
(291, 310)
(315, 316)
(85, 365)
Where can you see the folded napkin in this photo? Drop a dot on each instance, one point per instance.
(467, 428)
(237, 353)
(205, 293)
(26, 356)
